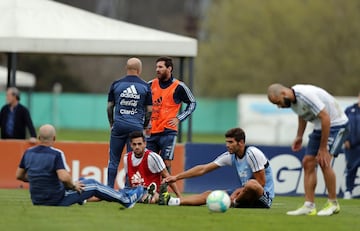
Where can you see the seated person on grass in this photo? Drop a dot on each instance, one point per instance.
(146, 168)
(256, 188)
(45, 169)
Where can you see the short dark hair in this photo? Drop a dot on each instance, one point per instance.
(168, 62)
(236, 133)
(136, 134)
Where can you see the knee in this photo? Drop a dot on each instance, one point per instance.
(253, 186)
(309, 163)
(88, 181)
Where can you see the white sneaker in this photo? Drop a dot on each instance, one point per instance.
(329, 209)
(347, 195)
(304, 210)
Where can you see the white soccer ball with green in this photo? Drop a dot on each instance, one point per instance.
(218, 201)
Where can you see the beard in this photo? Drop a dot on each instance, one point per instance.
(287, 102)
(162, 76)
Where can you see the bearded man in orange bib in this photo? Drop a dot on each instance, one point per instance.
(168, 94)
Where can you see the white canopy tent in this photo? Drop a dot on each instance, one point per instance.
(43, 26)
(24, 79)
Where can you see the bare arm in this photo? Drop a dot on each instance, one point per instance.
(325, 129)
(296, 146)
(260, 177)
(21, 175)
(110, 113)
(192, 172)
(301, 127)
(65, 177)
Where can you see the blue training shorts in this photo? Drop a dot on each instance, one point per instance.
(335, 141)
(162, 144)
(265, 201)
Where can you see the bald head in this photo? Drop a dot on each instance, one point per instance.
(275, 89)
(47, 134)
(280, 95)
(133, 66)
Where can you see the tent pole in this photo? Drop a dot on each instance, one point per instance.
(181, 78)
(11, 68)
(191, 84)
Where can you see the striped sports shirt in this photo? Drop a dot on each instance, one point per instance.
(311, 100)
(254, 160)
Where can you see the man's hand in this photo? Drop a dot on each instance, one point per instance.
(170, 179)
(296, 146)
(323, 157)
(79, 187)
(32, 140)
(174, 121)
(147, 132)
(347, 145)
(235, 195)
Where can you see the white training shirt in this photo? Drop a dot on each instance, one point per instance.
(254, 157)
(155, 162)
(310, 100)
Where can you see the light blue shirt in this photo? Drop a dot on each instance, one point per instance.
(254, 160)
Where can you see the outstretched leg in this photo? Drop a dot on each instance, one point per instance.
(126, 197)
(198, 199)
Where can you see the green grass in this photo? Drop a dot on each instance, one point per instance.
(17, 213)
(103, 136)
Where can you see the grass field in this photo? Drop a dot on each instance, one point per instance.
(103, 135)
(17, 213)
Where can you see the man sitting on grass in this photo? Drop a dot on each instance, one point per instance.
(44, 167)
(254, 173)
(146, 168)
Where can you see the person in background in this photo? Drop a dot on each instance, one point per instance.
(45, 169)
(352, 147)
(168, 94)
(15, 118)
(129, 109)
(314, 104)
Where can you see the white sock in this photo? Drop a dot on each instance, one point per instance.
(334, 202)
(309, 204)
(174, 201)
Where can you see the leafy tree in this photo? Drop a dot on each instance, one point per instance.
(251, 44)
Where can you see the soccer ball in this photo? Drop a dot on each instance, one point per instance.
(218, 201)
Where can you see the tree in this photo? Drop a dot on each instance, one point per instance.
(251, 44)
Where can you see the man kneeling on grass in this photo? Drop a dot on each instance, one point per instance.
(254, 172)
(44, 167)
